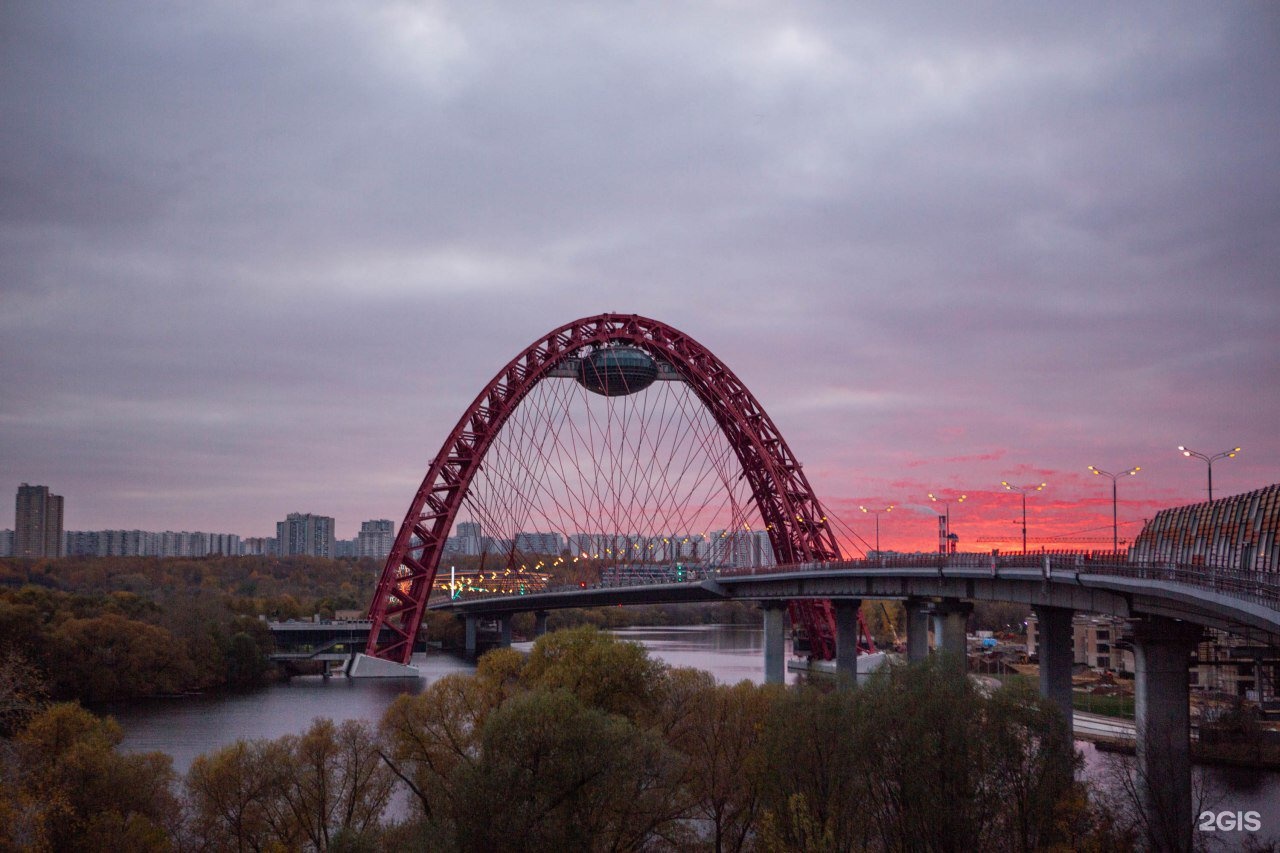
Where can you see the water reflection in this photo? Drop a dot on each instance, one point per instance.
(187, 727)
(731, 653)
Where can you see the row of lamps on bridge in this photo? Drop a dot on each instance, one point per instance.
(1031, 489)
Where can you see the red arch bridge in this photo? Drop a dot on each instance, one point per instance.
(611, 445)
(617, 449)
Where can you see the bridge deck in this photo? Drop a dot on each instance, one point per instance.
(1242, 602)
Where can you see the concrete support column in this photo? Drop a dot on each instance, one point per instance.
(1055, 647)
(950, 618)
(504, 631)
(539, 623)
(469, 645)
(775, 648)
(917, 629)
(1162, 650)
(846, 611)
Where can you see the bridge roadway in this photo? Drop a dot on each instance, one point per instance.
(1168, 607)
(1246, 603)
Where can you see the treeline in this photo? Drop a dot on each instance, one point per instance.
(283, 587)
(121, 646)
(104, 629)
(587, 744)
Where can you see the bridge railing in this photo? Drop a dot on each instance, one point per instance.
(1256, 586)
(1259, 587)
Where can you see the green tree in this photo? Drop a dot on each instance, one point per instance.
(719, 734)
(109, 657)
(1030, 764)
(22, 628)
(245, 664)
(556, 774)
(431, 735)
(814, 771)
(921, 773)
(604, 672)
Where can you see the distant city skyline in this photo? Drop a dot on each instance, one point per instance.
(376, 537)
(918, 533)
(255, 261)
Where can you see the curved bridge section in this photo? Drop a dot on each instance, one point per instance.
(1246, 602)
(791, 513)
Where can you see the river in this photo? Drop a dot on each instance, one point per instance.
(184, 728)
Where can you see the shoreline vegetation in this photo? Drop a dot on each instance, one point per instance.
(588, 743)
(105, 630)
(111, 629)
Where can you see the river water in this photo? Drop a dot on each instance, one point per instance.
(184, 728)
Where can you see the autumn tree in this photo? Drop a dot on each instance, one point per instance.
(430, 736)
(112, 657)
(23, 692)
(335, 782)
(67, 788)
(602, 671)
(325, 788)
(918, 759)
(236, 798)
(718, 732)
(557, 774)
(813, 771)
(1030, 760)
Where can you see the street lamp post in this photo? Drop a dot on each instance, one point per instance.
(946, 504)
(876, 513)
(1115, 523)
(1209, 460)
(1023, 490)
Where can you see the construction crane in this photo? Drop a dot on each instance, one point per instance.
(888, 620)
(1063, 540)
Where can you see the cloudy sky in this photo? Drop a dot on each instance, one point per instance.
(256, 258)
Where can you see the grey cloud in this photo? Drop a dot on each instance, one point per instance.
(258, 241)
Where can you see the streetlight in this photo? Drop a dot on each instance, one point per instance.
(876, 513)
(1023, 490)
(1226, 454)
(946, 533)
(1115, 525)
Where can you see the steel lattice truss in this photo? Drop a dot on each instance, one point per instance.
(535, 451)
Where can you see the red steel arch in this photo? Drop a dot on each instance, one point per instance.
(791, 512)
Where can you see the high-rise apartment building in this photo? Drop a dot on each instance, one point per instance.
(144, 543)
(37, 527)
(469, 537)
(375, 538)
(539, 543)
(259, 546)
(303, 533)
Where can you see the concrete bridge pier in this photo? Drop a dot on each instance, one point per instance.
(1162, 650)
(470, 624)
(504, 632)
(1056, 650)
(950, 619)
(775, 642)
(539, 623)
(917, 629)
(846, 612)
